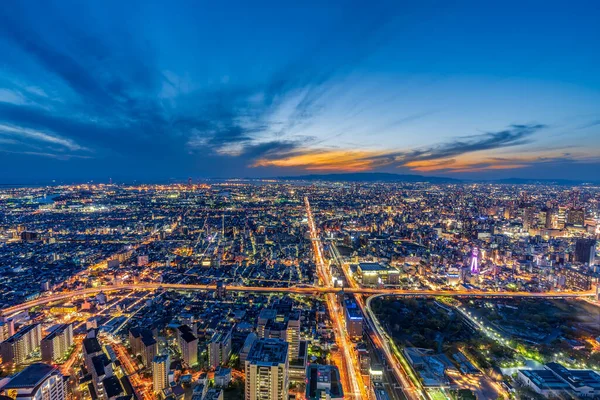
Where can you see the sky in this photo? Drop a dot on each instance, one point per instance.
(154, 90)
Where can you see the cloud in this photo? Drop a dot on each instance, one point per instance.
(24, 133)
(441, 156)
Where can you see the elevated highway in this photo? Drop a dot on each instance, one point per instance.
(309, 291)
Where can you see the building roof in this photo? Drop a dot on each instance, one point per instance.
(100, 361)
(186, 333)
(160, 358)
(576, 377)
(21, 333)
(323, 379)
(58, 331)
(544, 379)
(91, 345)
(112, 386)
(268, 352)
(31, 376)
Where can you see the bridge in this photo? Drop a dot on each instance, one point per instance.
(309, 291)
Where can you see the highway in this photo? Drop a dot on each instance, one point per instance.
(349, 371)
(309, 291)
(378, 336)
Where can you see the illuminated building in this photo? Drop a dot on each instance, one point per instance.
(7, 329)
(293, 333)
(323, 383)
(453, 276)
(57, 343)
(64, 309)
(353, 319)
(142, 343)
(37, 382)
(188, 345)
(557, 381)
(475, 261)
(374, 274)
(576, 217)
(219, 348)
(585, 251)
(19, 346)
(250, 339)
(160, 372)
(266, 370)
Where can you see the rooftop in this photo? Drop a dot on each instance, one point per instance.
(31, 376)
(268, 352)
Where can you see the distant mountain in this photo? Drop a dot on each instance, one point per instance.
(559, 182)
(370, 177)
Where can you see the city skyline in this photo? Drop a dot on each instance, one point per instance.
(153, 92)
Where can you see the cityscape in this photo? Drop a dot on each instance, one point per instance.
(300, 289)
(299, 200)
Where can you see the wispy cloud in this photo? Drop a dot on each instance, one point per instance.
(23, 134)
(442, 156)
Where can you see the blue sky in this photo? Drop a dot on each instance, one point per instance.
(159, 90)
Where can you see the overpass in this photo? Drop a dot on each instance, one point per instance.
(309, 291)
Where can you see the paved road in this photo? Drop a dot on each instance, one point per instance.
(297, 290)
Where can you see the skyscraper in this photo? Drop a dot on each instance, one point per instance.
(585, 251)
(160, 372)
(266, 370)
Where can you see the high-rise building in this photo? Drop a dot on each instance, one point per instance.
(293, 334)
(266, 314)
(323, 383)
(160, 372)
(20, 345)
(353, 319)
(7, 329)
(266, 370)
(142, 343)
(38, 382)
(585, 251)
(576, 217)
(57, 343)
(188, 345)
(219, 348)
(248, 343)
(528, 217)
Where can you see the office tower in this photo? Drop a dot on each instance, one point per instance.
(38, 382)
(160, 372)
(57, 343)
(266, 370)
(20, 345)
(188, 345)
(548, 222)
(293, 334)
(353, 319)
(142, 343)
(576, 217)
(585, 251)
(219, 348)
(528, 217)
(561, 217)
(323, 382)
